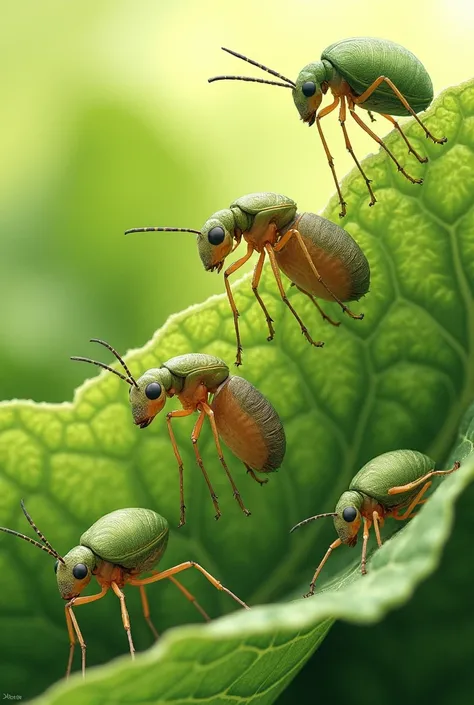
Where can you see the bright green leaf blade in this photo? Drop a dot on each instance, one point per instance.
(400, 378)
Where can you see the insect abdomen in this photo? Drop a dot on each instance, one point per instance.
(133, 538)
(337, 257)
(249, 425)
(361, 60)
(392, 469)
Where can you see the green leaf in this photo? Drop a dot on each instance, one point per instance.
(400, 378)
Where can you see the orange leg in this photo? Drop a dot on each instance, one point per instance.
(171, 415)
(331, 548)
(377, 520)
(411, 150)
(342, 122)
(379, 141)
(184, 566)
(296, 233)
(276, 274)
(255, 282)
(189, 597)
(207, 410)
(253, 475)
(325, 316)
(365, 538)
(367, 93)
(146, 611)
(319, 116)
(125, 617)
(415, 501)
(412, 485)
(195, 437)
(73, 627)
(230, 270)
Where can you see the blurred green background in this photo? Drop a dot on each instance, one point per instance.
(108, 123)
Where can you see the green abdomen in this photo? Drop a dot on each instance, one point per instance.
(361, 60)
(249, 425)
(392, 469)
(133, 538)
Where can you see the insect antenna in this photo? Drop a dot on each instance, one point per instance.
(130, 380)
(288, 82)
(310, 519)
(47, 547)
(163, 230)
(114, 352)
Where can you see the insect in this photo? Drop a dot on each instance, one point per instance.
(238, 413)
(374, 74)
(115, 550)
(320, 258)
(390, 483)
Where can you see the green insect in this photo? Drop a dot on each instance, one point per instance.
(374, 74)
(116, 550)
(238, 413)
(392, 482)
(320, 258)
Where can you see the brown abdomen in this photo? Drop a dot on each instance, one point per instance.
(337, 257)
(249, 425)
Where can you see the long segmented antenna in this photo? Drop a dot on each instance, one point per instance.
(291, 83)
(114, 352)
(309, 519)
(162, 230)
(104, 367)
(247, 78)
(47, 547)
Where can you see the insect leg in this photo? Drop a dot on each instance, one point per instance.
(297, 234)
(255, 282)
(367, 93)
(319, 116)
(125, 617)
(71, 620)
(324, 315)
(72, 641)
(415, 502)
(365, 538)
(331, 548)
(380, 141)
(371, 116)
(146, 611)
(184, 566)
(342, 122)
(253, 475)
(411, 149)
(189, 597)
(276, 274)
(377, 518)
(194, 437)
(411, 485)
(173, 414)
(207, 409)
(230, 270)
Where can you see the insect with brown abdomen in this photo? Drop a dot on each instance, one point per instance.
(238, 413)
(321, 259)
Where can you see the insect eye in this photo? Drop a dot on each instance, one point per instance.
(79, 571)
(216, 235)
(308, 88)
(56, 566)
(153, 390)
(349, 514)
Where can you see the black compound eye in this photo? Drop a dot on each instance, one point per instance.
(216, 235)
(349, 514)
(56, 566)
(153, 390)
(79, 571)
(308, 88)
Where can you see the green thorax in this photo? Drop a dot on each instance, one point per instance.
(392, 469)
(361, 60)
(185, 369)
(262, 207)
(133, 538)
